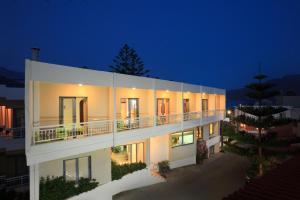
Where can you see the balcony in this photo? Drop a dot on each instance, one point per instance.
(44, 134)
(134, 123)
(52, 133)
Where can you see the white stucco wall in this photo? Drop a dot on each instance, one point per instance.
(159, 149)
(100, 166)
(97, 100)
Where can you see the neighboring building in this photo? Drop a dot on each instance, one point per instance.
(79, 120)
(14, 173)
(288, 130)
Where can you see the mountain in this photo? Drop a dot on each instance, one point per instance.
(11, 78)
(286, 85)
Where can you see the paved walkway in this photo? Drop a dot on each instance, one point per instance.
(216, 178)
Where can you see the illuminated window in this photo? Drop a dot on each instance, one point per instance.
(188, 137)
(176, 139)
(211, 129)
(182, 138)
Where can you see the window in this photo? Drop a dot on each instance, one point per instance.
(211, 129)
(77, 168)
(176, 139)
(182, 138)
(188, 137)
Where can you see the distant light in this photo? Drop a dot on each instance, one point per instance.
(80, 85)
(203, 93)
(228, 112)
(167, 90)
(133, 88)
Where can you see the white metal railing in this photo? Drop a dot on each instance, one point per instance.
(191, 116)
(134, 123)
(18, 132)
(44, 134)
(169, 119)
(17, 181)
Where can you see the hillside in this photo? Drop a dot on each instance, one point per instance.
(285, 85)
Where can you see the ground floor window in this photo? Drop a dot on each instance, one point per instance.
(182, 138)
(77, 168)
(130, 153)
(211, 129)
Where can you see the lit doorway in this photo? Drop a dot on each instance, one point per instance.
(163, 110)
(73, 110)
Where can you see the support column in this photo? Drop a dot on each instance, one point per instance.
(34, 182)
(182, 120)
(115, 128)
(36, 103)
(154, 103)
(147, 149)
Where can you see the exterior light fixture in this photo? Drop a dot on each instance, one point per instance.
(133, 88)
(167, 90)
(80, 85)
(228, 112)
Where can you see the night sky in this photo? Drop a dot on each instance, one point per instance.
(215, 43)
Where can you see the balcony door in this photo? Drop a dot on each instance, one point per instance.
(72, 110)
(204, 105)
(186, 105)
(163, 107)
(163, 110)
(133, 108)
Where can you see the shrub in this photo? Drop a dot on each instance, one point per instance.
(118, 171)
(58, 188)
(163, 167)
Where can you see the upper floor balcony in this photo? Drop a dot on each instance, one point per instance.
(109, 107)
(73, 111)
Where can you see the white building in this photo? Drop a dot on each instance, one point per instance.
(75, 116)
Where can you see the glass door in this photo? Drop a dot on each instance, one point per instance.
(186, 108)
(133, 112)
(204, 107)
(163, 110)
(67, 110)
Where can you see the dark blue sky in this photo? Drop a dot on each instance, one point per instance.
(216, 43)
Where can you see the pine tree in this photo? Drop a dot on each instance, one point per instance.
(128, 62)
(260, 115)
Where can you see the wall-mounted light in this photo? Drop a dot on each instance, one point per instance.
(80, 85)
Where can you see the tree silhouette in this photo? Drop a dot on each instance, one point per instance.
(260, 116)
(128, 62)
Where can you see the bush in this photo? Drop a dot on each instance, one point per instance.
(58, 188)
(118, 171)
(163, 167)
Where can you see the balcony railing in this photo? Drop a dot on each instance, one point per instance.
(134, 123)
(13, 132)
(191, 116)
(168, 119)
(44, 134)
(16, 181)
